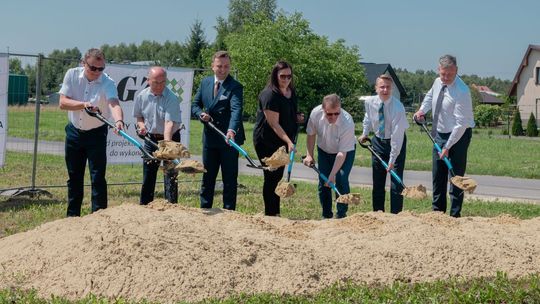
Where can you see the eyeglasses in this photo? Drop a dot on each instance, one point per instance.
(285, 76)
(332, 114)
(95, 68)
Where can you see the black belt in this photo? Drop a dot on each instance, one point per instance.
(86, 131)
(156, 136)
(384, 140)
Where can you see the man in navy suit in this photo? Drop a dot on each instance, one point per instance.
(220, 100)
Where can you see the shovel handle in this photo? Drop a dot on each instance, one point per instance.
(324, 178)
(385, 165)
(422, 122)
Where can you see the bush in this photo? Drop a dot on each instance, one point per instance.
(487, 115)
(517, 127)
(532, 128)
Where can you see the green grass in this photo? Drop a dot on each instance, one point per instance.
(499, 289)
(488, 154)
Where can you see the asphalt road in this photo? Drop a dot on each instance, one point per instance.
(489, 187)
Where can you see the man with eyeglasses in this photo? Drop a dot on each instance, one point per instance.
(333, 129)
(385, 116)
(86, 137)
(157, 110)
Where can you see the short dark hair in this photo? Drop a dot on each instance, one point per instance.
(273, 82)
(221, 54)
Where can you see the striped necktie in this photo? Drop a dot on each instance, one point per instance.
(381, 121)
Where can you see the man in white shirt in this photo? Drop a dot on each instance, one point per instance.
(452, 129)
(385, 116)
(86, 136)
(157, 110)
(333, 128)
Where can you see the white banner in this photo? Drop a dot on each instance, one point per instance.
(130, 80)
(4, 76)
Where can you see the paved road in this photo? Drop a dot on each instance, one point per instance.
(489, 187)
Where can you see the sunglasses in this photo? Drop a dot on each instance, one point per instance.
(95, 68)
(332, 114)
(285, 76)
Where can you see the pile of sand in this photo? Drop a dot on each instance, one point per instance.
(166, 253)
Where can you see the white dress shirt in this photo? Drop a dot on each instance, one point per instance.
(76, 86)
(456, 114)
(395, 122)
(332, 138)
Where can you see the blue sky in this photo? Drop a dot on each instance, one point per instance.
(489, 38)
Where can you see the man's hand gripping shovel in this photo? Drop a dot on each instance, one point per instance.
(462, 182)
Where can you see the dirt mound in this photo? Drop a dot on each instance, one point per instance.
(166, 252)
(349, 198)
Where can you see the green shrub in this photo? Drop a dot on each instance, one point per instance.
(517, 127)
(532, 128)
(487, 115)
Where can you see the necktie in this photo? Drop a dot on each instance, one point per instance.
(438, 107)
(216, 88)
(381, 120)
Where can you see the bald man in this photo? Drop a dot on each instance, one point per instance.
(157, 110)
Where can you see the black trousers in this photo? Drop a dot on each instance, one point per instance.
(458, 157)
(225, 158)
(81, 146)
(271, 179)
(150, 169)
(383, 148)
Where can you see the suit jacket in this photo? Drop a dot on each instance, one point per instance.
(226, 109)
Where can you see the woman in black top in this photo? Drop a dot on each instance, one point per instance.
(276, 126)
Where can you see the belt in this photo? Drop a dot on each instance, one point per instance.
(156, 136)
(383, 139)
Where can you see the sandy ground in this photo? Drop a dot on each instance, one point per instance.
(167, 253)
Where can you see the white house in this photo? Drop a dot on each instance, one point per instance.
(526, 84)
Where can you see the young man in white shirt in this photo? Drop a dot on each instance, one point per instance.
(385, 116)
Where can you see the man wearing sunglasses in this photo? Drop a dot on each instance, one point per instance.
(86, 136)
(385, 116)
(333, 128)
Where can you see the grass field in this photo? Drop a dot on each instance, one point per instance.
(489, 154)
(515, 155)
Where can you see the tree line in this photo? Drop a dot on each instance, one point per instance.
(257, 35)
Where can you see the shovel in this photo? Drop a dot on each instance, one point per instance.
(463, 183)
(286, 189)
(97, 114)
(353, 198)
(185, 166)
(411, 192)
(234, 145)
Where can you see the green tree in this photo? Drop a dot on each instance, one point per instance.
(15, 66)
(517, 126)
(195, 46)
(532, 128)
(55, 66)
(320, 67)
(242, 12)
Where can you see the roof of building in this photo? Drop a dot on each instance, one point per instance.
(524, 63)
(374, 70)
(490, 98)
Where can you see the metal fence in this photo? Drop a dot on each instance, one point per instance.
(36, 125)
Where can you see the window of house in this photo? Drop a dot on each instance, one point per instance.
(537, 75)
